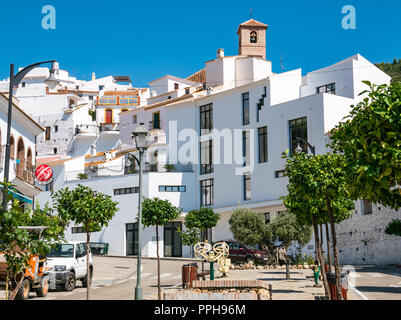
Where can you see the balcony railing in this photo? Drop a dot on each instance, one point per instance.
(109, 127)
(154, 125)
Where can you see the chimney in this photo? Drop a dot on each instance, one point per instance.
(93, 76)
(220, 53)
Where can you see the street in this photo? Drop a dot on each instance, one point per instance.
(115, 279)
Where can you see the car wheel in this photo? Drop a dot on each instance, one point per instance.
(42, 291)
(85, 279)
(23, 291)
(70, 282)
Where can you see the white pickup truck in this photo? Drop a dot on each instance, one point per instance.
(67, 264)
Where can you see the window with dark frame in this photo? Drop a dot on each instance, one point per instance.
(156, 120)
(366, 206)
(247, 186)
(206, 157)
(175, 86)
(78, 230)
(328, 88)
(56, 128)
(122, 191)
(262, 143)
(172, 188)
(207, 192)
(206, 118)
(298, 129)
(246, 147)
(280, 173)
(267, 217)
(245, 108)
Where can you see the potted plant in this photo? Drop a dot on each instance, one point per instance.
(169, 167)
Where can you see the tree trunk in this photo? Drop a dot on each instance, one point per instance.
(287, 269)
(320, 259)
(87, 266)
(158, 264)
(322, 246)
(335, 251)
(328, 246)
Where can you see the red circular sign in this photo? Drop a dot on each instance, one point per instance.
(44, 173)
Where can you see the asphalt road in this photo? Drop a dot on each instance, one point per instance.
(115, 279)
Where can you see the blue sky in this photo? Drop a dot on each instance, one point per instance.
(148, 39)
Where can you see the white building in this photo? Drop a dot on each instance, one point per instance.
(24, 131)
(224, 129)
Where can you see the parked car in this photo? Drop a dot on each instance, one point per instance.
(241, 252)
(67, 264)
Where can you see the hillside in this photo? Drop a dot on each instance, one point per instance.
(392, 69)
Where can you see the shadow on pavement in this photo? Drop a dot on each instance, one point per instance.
(379, 289)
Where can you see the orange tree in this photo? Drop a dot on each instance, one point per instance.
(370, 140)
(157, 212)
(318, 192)
(84, 206)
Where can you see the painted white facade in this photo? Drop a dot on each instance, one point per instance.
(24, 131)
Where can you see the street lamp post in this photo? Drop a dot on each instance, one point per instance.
(140, 135)
(15, 80)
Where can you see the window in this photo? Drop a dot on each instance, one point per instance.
(55, 128)
(175, 86)
(156, 120)
(47, 133)
(172, 188)
(206, 159)
(91, 98)
(253, 37)
(134, 119)
(124, 110)
(122, 191)
(101, 88)
(247, 186)
(298, 129)
(245, 108)
(267, 217)
(366, 207)
(187, 90)
(23, 84)
(55, 150)
(78, 230)
(262, 141)
(207, 194)
(246, 147)
(206, 118)
(71, 103)
(328, 88)
(280, 173)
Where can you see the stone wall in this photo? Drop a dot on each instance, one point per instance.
(362, 238)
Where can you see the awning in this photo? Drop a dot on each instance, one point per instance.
(19, 195)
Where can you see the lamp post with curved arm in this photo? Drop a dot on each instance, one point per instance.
(15, 80)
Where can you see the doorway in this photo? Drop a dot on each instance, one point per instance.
(131, 239)
(172, 240)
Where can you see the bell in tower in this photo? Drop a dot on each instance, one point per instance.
(252, 39)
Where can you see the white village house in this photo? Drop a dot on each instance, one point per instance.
(24, 131)
(224, 129)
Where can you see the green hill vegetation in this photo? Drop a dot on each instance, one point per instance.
(392, 69)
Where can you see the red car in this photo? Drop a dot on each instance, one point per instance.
(241, 252)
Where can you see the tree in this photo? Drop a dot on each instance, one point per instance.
(157, 212)
(203, 219)
(394, 228)
(287, 228)
(91, 209)
(370, 140)
(319, 183)
(249, 227)
(18, 244)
